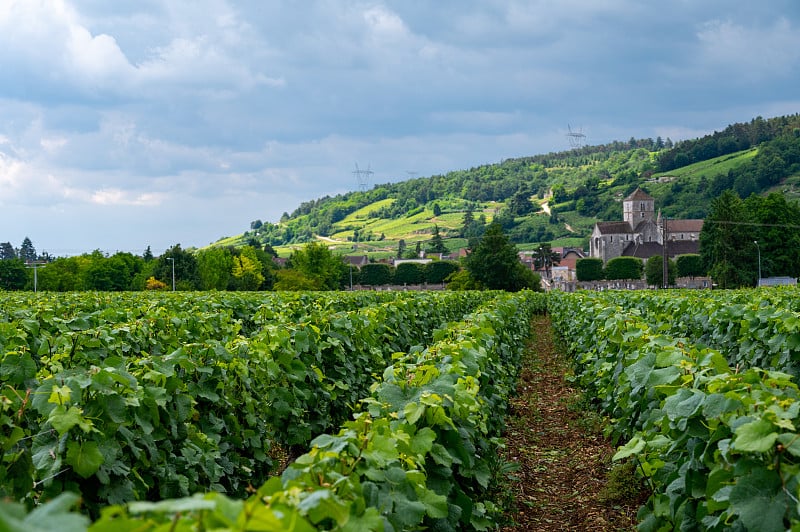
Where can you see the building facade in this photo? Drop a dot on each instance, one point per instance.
(641, 232)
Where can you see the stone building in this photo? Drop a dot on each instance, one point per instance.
(641, 233)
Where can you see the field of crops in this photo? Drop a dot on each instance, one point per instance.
(701, 387)
(391, 404)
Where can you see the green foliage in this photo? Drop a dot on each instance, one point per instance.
(316, 261)
(727, 246)
(690, 265)
(376, 274)
(495, 264)
(409, 273)
(715, 438)
(417, 454)
(623, 268)
(438, 270)
(654, 271)
(589, 269)
(13, 275)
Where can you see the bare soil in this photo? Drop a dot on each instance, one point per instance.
(564, 460)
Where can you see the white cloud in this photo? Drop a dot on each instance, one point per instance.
(749, 52)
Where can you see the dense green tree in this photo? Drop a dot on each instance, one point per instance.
(13, 274)
(437, 211)
(409, 273)
(376, 274)
(7, 251)
(185, 263)
(26, 251)
(294, 280)
(246, 272)
(620, 268)
(654, 271)
(147, 255)
(108, 273)
(495, 264)
(690, 265)
(316, 261)
(589, 269)
(520, 203)
(214, 267)
(727, 243)
(438, 270)
(64, 274)
(777, 233)
(436, 243)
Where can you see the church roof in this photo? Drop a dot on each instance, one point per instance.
(684, 226)
(639, 195)
(645, 250)
(613, 228)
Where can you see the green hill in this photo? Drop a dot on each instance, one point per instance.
(555, 197)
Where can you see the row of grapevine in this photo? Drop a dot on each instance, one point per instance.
(719, 445)
(752, 328)
(418, 453)
(158, 401)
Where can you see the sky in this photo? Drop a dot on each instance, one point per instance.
(130, 124)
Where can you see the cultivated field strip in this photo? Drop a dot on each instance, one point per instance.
(125, 397)
(715, 438)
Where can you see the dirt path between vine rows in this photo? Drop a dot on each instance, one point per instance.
(563, 480)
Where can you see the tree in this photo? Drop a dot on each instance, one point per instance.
(654, 271)
(316, 261)
(294, 280)
(409, 273)
(437, 211)
(520, 203)
(726, 243)
(545, 258)
(495, 264)
(26, 251)
(7, 251)
(214, 267)
(147, 255)
(438, 270)
(246, 272)
(689, 265)
(401, 248)
(376, 274)
(589, 269)
(436, 244)
(13, 274)
(185, 264)
(620, 268)
(777, 235)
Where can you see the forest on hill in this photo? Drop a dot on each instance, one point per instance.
(554, 197)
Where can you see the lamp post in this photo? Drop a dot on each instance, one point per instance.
(172, 260)
(759, 261)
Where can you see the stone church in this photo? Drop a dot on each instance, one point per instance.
(641, 233)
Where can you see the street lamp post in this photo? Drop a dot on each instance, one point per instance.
(172, 260)
(759, 261)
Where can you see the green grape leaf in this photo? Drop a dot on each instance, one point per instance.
(84, 457)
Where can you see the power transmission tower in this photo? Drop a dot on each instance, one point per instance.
(363, 177)
(576, 137)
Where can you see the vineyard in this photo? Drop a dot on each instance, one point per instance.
(382, 411)
(701, 387)
(350, 411)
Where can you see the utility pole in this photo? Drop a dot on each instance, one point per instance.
(35, 264)
(172, 260)
(664, 255)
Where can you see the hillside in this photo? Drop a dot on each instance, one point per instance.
(555, 197)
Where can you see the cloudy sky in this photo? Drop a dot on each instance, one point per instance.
(153, 122)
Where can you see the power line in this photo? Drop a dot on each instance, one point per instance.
(755, 224)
